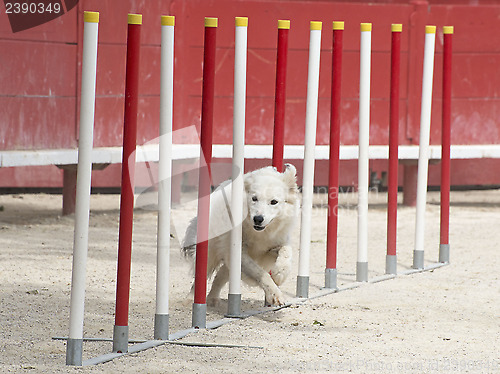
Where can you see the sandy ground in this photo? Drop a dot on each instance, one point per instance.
(446, 320)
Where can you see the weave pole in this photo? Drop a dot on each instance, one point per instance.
(199, 316)
(240, 77)
(423, 157)
(444, 246)
(280, 95)
(161, 324)
(392, 188)
(363, 161)
(120, 331)
(74, 347)
(309, 157)
(334, 159)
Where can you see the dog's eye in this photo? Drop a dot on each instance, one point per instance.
(274, 202)
(254, 198)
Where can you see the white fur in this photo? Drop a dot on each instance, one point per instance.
(266, 253)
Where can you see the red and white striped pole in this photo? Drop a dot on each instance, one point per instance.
(280, 95)
(199, 315)
(334, 160)
(120, 332)
(392, 192)
(444, 247)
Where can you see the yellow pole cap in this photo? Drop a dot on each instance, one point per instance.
(430, 29)
(283, 24)
(211, 22)
(448, 29)
(338, 25)
(135, 19)
(167, 20)
(241, 21)
(396, 27)
(316, 25)
(92, 17)
(366, 27)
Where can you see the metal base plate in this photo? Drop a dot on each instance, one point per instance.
(391, 264)
(199, 316)
(418, 259)
(331, 278)
(234, 306)
(444, 253)
(74, 349)
(161, 326)
(120, 339)
(361, 271)
(302, 286)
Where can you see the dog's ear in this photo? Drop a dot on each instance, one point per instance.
(248, 180)
(290, 176)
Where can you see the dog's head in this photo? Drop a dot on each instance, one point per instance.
(271, 196)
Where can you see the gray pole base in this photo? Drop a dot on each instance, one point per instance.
(418, 259)
(120, 339)
(391, 264)
(302, 286)
(361, 271)
(331, 278)
(444, 253)
(74, 349)
(161, 327)
(234, 305)
(199, 316)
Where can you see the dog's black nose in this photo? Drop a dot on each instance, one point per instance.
(258, 220)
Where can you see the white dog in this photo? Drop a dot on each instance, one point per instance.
(272, 203)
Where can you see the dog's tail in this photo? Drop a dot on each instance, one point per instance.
(188, 247)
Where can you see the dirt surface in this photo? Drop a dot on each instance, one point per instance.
(445, 320)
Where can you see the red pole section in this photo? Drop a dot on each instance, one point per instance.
(128, 170)
(207, 110)
(392, 198)
(334, 162)
(280, 95)
(446, 135)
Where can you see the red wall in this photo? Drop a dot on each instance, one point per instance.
(40, 77)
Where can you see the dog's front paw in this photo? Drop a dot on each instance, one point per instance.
(282, 266)
(279, 274)
(275, 298)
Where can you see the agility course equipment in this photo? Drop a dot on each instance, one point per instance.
(280, 95)
(363, 160)
(309, 147)
(423, 159)
(204, 185)
(120, 331)
(240, 75)
(82, 209)
(444, 247)
(392, 187)
(161, 327)
(334, 158)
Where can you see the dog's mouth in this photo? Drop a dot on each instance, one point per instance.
(258, 228)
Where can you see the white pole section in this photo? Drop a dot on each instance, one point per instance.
(164, 178)
(423, 157)
(240, 77)
(364, 142)
(84, 173)
(309, 157)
